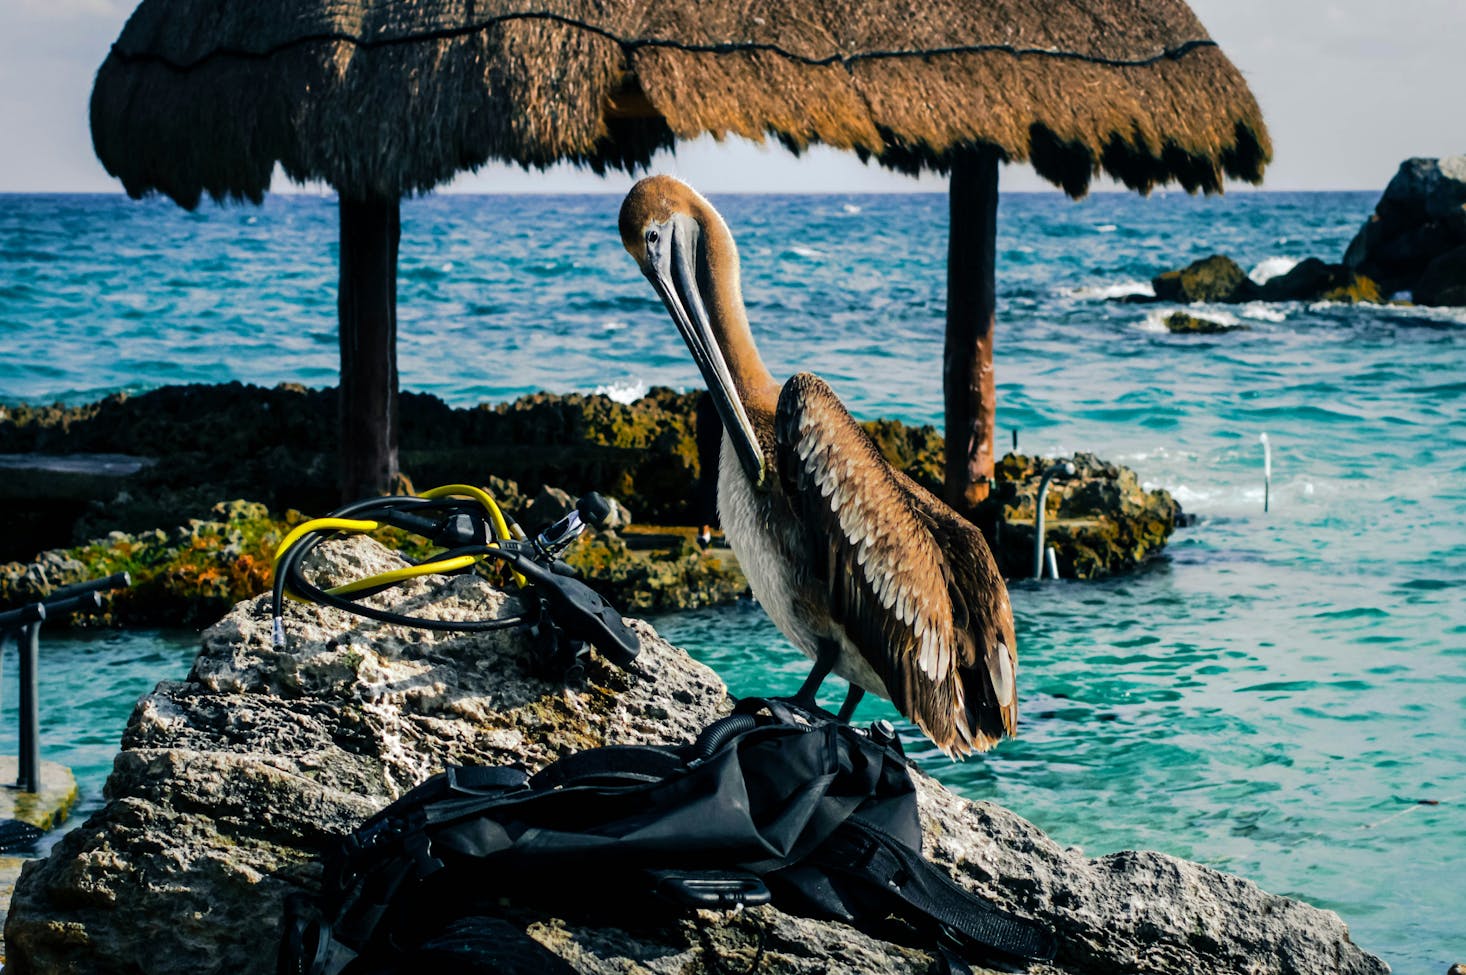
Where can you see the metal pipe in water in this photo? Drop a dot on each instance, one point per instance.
(1267, 471)
(1066, 469)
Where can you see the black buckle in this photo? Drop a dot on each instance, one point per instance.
(709, 889)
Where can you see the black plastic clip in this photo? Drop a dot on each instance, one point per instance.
(714, 890)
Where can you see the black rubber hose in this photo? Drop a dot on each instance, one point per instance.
(300, 585)
(717, 734)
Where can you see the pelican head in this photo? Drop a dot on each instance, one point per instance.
(685, 250)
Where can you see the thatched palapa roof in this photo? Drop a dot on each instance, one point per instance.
(392, 97)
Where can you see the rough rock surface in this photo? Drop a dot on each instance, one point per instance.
(1420, 216)
(1099, 522)
(230, 781)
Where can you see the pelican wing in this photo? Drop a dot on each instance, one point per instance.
(911, 583)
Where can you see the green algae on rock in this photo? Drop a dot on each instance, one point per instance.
(187, 576)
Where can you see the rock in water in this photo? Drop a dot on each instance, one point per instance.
(1443, 282)
(1420, 216)
(1313, 280)
(1181, 323)
(229, 783)
(1217, 278)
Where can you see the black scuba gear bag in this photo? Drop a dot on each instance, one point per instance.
(771, 802)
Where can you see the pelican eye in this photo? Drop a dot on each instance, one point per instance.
(652, 236)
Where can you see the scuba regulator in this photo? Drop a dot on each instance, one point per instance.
(466, 522)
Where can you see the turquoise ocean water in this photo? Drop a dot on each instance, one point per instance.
(1282, 696)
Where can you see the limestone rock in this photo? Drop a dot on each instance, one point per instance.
(1420, 216)
(1216, 278)
(230, 781)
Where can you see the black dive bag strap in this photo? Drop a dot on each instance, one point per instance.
(962, 920)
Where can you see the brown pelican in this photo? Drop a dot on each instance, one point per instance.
(865, 571)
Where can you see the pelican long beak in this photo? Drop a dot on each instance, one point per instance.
(671, 267)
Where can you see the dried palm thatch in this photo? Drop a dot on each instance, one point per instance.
(391, 97)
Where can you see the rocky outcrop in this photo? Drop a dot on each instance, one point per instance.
(276, 446)
(187, 575)
(1220, 279)
(1099, 521)
(1216, 278)
(1420, 217)
(1313, 280)
(1443, 282)
(229, 783)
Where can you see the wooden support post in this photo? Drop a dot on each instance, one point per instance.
(967, 363)
(367, 307)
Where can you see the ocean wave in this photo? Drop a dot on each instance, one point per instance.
(850, 208)
(626, 393)
(1117, 290)
(1155, 319)
(1272, 267)
(1260, 311)
(614, 326)
(1106, 228)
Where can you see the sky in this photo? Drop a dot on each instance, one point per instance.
(1349, 89)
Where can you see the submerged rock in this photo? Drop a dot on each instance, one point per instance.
(231, 781)
(1183, 324)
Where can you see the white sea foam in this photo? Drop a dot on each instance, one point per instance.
(1117, 290)
(1272, 267)
(1155, 319)
(627, 393)
(614, 326)
(850, 208)
(808, 252)
(1261, 311)
(1106, 228)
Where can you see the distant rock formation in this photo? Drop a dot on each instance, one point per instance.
(1415, 241)
(1415, 238)
(230, 783)
(1220, 279)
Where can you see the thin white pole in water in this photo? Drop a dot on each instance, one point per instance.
(1053, 562)
(1267, 470)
